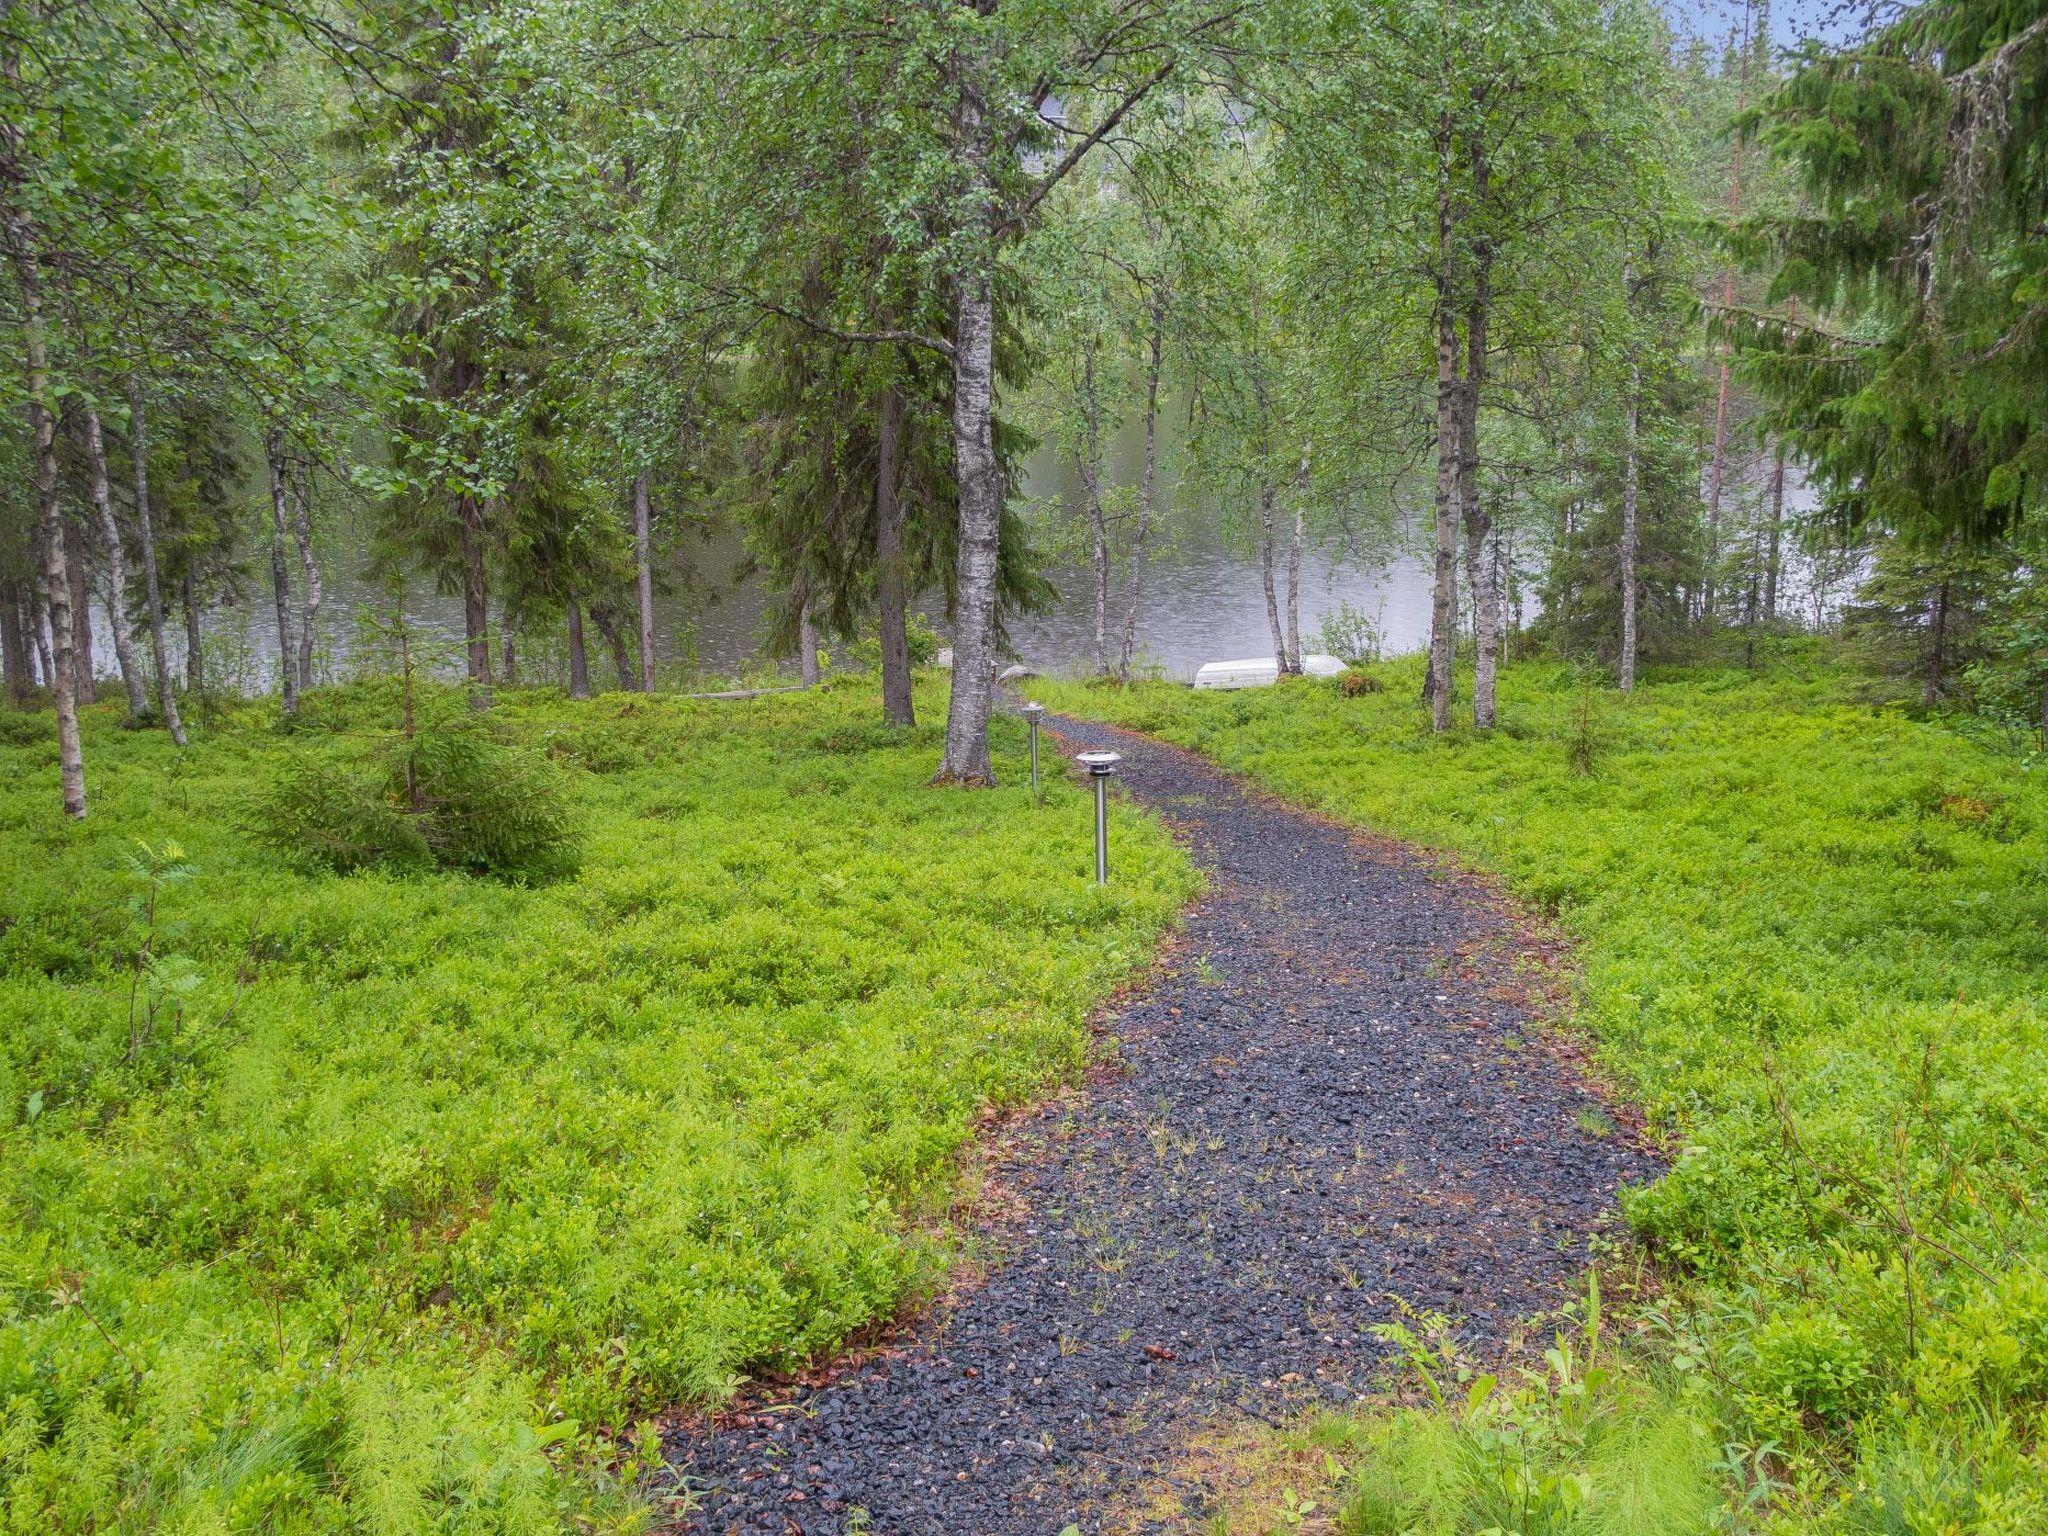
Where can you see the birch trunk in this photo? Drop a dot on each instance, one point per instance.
(117, 565)
(1292, 663)
(476, 616)
(195, 654)
(309, 568)
(1717, 473)
(892, 596)
(508, 661)
(643, 576)
(280, 572)
(20, 236)
(1147, 479)
(1091, 487)
(1269, 497)
(579, 658)
(1774, 548)
(1631, 492)
(39, 622)
(977, 472)
(1443, 616)
(152, 589)
(1478, 525)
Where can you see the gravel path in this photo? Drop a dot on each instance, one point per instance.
(1321, 1106)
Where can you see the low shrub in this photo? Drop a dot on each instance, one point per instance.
(449, 795)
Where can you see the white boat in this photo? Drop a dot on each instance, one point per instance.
(1260, 671)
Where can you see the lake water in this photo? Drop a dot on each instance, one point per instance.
(1202, 599)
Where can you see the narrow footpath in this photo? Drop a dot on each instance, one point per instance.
(1328, 1099)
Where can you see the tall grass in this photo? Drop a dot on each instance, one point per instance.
(1813, 941)
(417, 1180)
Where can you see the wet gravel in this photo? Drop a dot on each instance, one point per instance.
(1325, 1101)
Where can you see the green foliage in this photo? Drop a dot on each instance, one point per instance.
(423, 1181)
(1586, 1444)
(1352, 635)
(447, 793)
(1812, 941)
(335, 813)
(1914, 393)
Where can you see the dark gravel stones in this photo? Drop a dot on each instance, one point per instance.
(1324, 1104)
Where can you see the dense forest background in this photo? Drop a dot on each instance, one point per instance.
(521, 300)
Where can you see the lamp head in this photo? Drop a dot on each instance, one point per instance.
(1100, 764)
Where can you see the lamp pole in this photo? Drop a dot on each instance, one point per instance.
(1033, 713)
(1101, 766)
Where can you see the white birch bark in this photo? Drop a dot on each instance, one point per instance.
(117, 565)
(280, 572)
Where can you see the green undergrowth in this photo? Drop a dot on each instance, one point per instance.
(374, 1201)
(1812, 937)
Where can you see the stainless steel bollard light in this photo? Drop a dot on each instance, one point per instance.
(1033, 713)
(1100, 766)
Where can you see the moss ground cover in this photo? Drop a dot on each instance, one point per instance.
(358, 1201)
(1813, 938)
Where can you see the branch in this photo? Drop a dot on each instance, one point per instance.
(856, 338)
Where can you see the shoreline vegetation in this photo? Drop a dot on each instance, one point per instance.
(396, 1200)
(1811, 935)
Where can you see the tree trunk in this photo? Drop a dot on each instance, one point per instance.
(1717, 473)
(1269, 497)
(607, 623)
(643, 576)
(1774, 547)
(1503, 578)
(1937, 660)
(1147, 478)
(280, 573)
(83, 683)
(579, 659)
(1443, 617)
(117, 565)
(49, 510)
(152, 591)
(807, 646)
(309, 609)
(1091, 486)
(39, 622)
(1301, 488)
(977, 472)
(891, 581)
(195, 655)
(476, 613)
(1631, 493)
(980, 480)
(14, 646)
(1478, 525)
(508, 651)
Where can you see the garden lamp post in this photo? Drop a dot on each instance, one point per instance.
(1100, 766)
(1033, 713)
